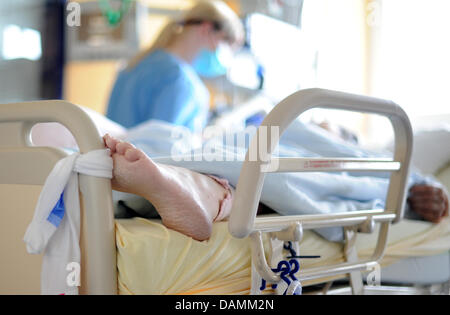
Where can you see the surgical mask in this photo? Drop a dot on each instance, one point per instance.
(213, 63)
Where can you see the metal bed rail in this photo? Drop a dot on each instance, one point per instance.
(243, 221)
(329, 165)
(99, 270)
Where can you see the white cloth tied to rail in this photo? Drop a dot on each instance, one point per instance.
(55, 228)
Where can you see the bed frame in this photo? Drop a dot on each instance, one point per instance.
(24, 164)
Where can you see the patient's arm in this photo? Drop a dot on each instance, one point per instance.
(430, 202)
(340, 131)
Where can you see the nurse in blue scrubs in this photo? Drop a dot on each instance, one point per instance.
(163, 82)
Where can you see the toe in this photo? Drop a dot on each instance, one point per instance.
(110, 142)
(122, 147)
(132, 154)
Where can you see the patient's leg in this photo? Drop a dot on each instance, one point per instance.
(187, 202)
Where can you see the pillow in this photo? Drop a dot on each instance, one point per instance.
(431, 149)
(444, 176)
(56, 135)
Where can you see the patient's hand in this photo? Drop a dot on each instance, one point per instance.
(429, 201)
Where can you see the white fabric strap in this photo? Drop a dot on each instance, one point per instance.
(55, 230)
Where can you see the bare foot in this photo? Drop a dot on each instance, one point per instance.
(187, 202)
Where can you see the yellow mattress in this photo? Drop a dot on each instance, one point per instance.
(152, 259)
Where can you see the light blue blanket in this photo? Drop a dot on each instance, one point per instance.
(286, 193)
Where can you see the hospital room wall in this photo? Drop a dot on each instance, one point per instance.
(390, 49)
(340, 33)
(408, 60)
(88, 83)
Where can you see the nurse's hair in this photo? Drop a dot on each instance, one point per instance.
(216, 12)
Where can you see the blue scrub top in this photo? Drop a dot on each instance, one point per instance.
(162, 87)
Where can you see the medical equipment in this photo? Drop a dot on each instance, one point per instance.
(94, 38)
(113, 16)
(24, 164)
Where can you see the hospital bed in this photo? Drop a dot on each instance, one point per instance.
(108, 247)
